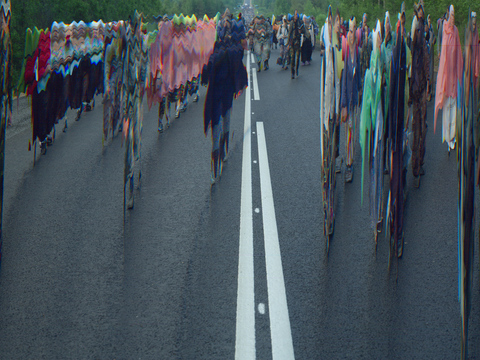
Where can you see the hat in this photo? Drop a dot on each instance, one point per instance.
(474, 14)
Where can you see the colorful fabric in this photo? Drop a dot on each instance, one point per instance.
(450, 68)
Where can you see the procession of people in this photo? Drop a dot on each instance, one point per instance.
(375, 84)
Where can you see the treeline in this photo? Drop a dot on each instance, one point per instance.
(374, 8)
(42, 13)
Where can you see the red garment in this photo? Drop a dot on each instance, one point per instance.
(37, 64)
(450, 69)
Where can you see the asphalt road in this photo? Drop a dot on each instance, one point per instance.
(77, 282)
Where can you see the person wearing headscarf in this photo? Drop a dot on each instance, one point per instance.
(418, 92)
(350, 96)
(466, 185)
(449, 78)
(396, 128)
(306, 51)
(328, 122)
(282, 36)
(295, 32)
(371, 130)
(262, 33)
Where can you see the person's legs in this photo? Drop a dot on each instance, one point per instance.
(161, 112)
(417, 133)
(217, 131)
(423, 129)
(298, 59)
(292, 61)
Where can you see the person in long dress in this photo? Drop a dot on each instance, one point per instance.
(449, 76)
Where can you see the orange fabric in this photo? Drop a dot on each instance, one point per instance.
(450, 69)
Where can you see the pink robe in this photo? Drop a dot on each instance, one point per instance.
(450, 70)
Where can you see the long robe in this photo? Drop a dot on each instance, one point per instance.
(328, 128)
(449, 74)
(396, 119)
(371, 128)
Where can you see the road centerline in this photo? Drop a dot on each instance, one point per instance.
(245, 323)
(281, 334)
(256, 93)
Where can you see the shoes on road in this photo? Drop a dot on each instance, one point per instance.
(416, 182)
(422, 171)
(349, 174)
(43, 148)
(338, 165)
(195, 98)
(160, 126)
(130, 203)
(400, 247)
(293, 76)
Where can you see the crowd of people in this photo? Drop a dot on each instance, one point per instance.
(380, 81)
(294, 34)
(375, 84)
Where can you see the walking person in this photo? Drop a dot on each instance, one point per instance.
(306, 55)
(328, 124)
(350, 97)
(466, 182)
(396, 123)
(337, 44)
(294, 37)
(282, 36)
(431, 41)
(372, 130)
(449, 75)
(418, 93)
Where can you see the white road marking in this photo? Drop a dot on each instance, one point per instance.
(257, 210)
(248, 74)
(253, 59)
(245, 326)
(256, 93)
(261, 308)
(281, 333)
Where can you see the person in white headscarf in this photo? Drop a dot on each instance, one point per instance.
(449, 76)
(328, 123)
(282, 36)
